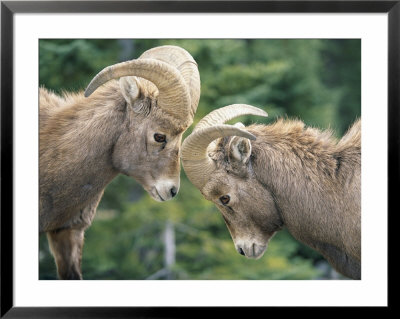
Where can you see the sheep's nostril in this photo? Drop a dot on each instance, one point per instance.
(241, 251)
(173, 191)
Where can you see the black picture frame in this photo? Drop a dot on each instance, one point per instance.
(9, 8)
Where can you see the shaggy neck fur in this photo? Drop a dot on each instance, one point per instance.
(311, 175)
(77, 136)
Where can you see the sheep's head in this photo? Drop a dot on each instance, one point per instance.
(162, 90)
(217, 159)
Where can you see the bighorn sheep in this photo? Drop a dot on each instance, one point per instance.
(133, 126)
(264, 177)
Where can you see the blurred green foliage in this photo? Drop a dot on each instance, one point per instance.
(317, 81)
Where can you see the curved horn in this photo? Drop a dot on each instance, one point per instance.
(168, 80)
(195, 160)
(226, 113)
(184, 62)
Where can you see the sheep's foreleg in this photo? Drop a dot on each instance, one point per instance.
(66, 246)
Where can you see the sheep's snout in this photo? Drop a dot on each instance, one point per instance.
(251, 250)
(165, 190)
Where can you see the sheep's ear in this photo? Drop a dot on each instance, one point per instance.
(239, 149)
(130, 89)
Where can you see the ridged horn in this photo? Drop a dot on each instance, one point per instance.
(184, 62)
(171, 85)
(226, 113)
(195, 160)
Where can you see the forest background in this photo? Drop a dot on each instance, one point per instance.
(134, 237)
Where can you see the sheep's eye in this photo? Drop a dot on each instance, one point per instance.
(160, 138)
(225, 199)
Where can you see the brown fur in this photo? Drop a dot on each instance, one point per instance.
(297, 177)
(84, 144)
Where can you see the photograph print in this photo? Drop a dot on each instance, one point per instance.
(199, 159)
